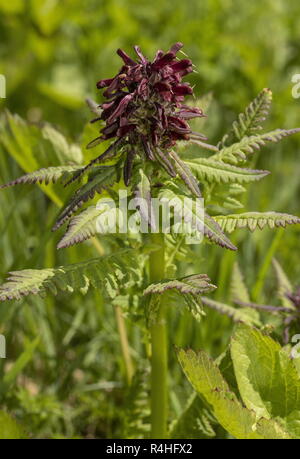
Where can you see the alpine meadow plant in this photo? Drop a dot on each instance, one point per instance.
(149, 146)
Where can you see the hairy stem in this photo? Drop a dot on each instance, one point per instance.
(124, 344)
(159, 359)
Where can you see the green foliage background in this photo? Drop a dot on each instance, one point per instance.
(71, 383)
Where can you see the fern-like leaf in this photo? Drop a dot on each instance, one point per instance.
(254, 220)
(250, 121)
(196, 284)
(108, 273)
(203, 222)
(185, 174)
(190, 288)
(239, 151)
(104, 177)
(219, 172)
(81, 227)
(44, 175)
(237, 315)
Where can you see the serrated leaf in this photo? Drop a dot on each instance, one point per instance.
(232, 203)
(267, 379)
(44, 175)
(240, 151)
(251, 120)
(218, 172)
(190, 288)
(238, 315)
(195, 284)
(81, 227)
(109, 273)
(202, 222)
(254, 220)
(103, 177)
(185, 174)
(207, 380)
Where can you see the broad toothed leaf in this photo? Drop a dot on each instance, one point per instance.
(108, 273)
(207, 380)
(45, 175)
(219, 172)
(239, 151)
(251, 120)
(267, 378)
(254, 220)
(104, 177)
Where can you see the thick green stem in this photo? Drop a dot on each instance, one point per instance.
(159, 359)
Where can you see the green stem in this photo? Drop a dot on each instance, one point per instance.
(159, 358)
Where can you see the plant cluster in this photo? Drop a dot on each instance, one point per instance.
(147, 132)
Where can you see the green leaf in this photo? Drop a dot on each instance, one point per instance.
(45, 175)
(238, 315)
(284, 285)
(218, 172)
(195, 421)
(185, 174)
(102, 177)
(108, 273)
(137, 413)
(190, 288)
(81, 227)
(202, 222)
(239, 293)
(267, 378)
(35, 148)
(238, 289)
(195, 284)
(251, 120)
(10, 429)
(240, 151)
(254, 220)
(207, 380)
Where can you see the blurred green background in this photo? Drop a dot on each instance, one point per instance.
(72, 382)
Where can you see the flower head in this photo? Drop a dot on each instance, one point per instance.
(144, 109)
